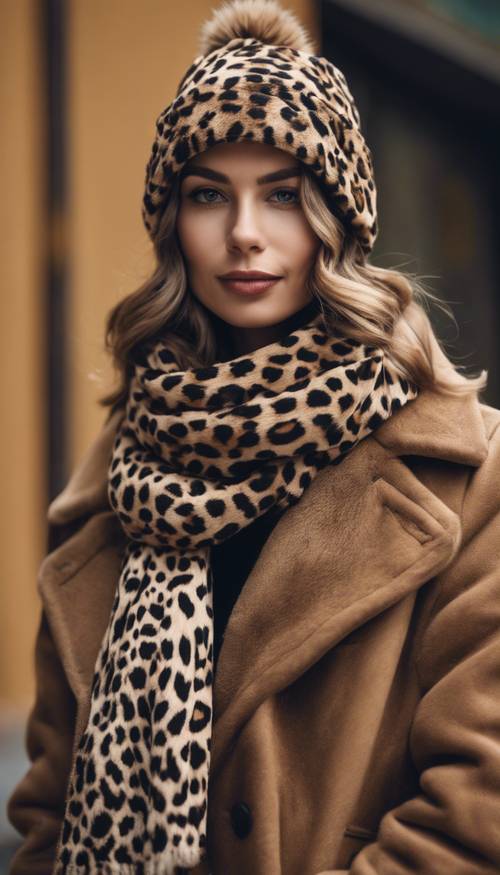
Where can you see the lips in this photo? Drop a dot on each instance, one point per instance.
(249, 275)
(250, 286)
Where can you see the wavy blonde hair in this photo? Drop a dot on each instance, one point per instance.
(369, 303)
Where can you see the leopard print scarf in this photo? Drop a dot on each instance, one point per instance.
(199, 454)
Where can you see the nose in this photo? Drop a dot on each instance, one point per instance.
(244, 231)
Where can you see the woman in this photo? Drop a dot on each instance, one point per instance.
(270, 638)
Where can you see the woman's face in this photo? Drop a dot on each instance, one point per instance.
(241, 222)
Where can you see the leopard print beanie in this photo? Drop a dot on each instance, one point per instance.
(199, 455)
(258, 79)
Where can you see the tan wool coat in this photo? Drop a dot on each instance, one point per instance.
(357, 693)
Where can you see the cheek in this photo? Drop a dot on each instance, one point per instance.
(301, 244)
(196, 236)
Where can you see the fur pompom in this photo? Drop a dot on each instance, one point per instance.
(265, 20)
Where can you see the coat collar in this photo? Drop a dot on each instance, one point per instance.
(435, 425)
(439, 427)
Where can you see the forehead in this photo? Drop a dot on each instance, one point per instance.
(223, 156)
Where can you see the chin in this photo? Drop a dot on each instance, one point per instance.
(256, 320)
(259, 312)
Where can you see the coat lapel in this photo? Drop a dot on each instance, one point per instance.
(365, 534)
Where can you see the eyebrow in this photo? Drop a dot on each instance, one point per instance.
(206, 172)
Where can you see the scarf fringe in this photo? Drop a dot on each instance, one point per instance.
(170, 864)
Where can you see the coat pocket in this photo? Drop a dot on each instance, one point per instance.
(354, 840)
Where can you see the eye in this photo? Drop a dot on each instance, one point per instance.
(290, 191)
(197, 191)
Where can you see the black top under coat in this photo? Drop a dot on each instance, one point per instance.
(231, 564)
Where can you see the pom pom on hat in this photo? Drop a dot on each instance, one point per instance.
(264, 20)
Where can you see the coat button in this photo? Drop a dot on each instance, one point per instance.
(241, 819)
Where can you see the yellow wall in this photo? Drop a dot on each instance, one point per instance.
(125, 61)
(22, 384)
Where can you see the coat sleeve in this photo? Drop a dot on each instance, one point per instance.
(453, 824)
(36, 805)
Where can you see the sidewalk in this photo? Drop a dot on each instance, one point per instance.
(13, 765)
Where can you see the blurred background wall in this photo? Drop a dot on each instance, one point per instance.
(82, 82)
(426, 77)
